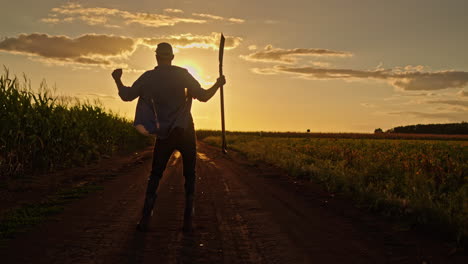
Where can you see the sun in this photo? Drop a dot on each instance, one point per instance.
(195, 70)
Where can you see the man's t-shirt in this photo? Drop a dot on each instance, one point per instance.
(171, 89)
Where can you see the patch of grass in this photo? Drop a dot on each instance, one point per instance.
(28, 215)
(21, 219)
(77, 192)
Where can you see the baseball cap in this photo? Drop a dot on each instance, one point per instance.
(164, 50)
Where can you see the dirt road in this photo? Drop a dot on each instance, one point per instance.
(245, 213)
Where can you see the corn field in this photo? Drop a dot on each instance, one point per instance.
(40, 131)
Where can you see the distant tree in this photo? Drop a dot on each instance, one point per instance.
(308, 130)
(378, 130)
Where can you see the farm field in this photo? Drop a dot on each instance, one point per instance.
(41, 131)
(205, 133)
(422, 181)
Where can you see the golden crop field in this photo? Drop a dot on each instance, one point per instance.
(426, 180)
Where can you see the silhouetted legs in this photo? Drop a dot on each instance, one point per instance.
(188, 151)
(183, 140)
(162, 152)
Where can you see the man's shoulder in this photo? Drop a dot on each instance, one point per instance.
(178, 69)
(165, 68)
(147, 73)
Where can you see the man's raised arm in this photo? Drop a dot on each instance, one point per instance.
(207, 94)
(126, 93)
(197, 92)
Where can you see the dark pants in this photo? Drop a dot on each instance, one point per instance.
(179, 139)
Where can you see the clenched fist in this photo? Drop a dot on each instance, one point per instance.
(117, 74)
(221, 81)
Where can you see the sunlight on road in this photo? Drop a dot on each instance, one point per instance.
(175, 158)
(203, 156)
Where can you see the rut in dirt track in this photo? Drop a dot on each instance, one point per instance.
(243, 214)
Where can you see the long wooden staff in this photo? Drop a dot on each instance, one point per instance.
(221, 55)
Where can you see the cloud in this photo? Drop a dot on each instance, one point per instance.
(112, 17)
(86, 49)
(214, 17)
(462, 93)
(173, 10)
(51, 20)
(408, 78)
(271, 22)
(102, 50)
(430, 80)
(446, 116)
(289, 56)
(418, 94)
(459, 103)
(320, 64)
(156, 20)
(252, 47)
(265, 71)
(194, 41)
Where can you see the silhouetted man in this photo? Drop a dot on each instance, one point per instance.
(170, 89)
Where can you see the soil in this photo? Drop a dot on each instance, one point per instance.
(245, 212)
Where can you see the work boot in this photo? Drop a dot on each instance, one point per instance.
(188, 214)
(143, 224)
(147, 213)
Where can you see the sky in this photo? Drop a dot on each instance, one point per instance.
(323, 65)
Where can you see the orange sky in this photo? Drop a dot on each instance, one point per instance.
(328, 66)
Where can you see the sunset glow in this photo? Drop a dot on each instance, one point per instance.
(328, 66)
(197, 73)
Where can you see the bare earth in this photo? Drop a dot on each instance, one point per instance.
(245, 213)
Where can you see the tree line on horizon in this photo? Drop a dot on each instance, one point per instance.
(443, 129)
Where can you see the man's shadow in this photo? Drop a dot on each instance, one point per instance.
(135, 248)
(186, 251)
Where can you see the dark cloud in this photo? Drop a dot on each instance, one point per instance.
(430, 80)
(418, 94)
(104, 50)
(112, 17)
(194, 41)
(408, 78)
(289, 56)
(86, 49)
(462, 93)
(327, 73)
